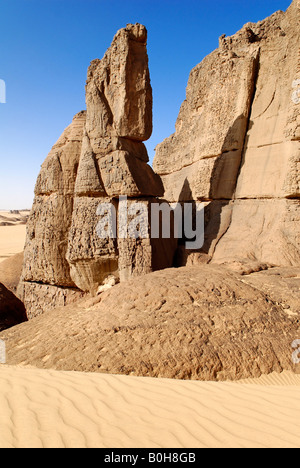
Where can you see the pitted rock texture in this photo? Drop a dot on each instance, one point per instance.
(50, 219)
(99, 158)
(39, 298)
(119, 93)
(113, 163)
(203, 323)
(236, 145)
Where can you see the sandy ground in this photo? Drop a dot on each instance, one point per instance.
(12, 237)
(12, 241)
(49, 409)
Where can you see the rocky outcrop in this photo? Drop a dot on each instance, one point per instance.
(113, 163)
(236, 145)
(12, 311)
(203, 323)
(236, 149)
(99, 158)
(39, 298)
(211, 129)
(49, 223)
(45, 266)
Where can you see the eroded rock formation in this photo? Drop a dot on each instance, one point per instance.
(236, 148)
(113, 160)
(236, 145)
(99, 158)
(46, 280)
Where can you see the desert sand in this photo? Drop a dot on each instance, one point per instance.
(12, 233)
(12, 240)
(49, 409)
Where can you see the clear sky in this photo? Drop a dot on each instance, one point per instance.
(46, 48)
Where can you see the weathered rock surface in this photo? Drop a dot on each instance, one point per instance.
(265, 230)
(125, 175)
(38, 298)
(113, 163)
(142, 255)
(202, 323)
(12, 311)
(119, 93)
(46, 282)
(236, 148)
(236, 144)
(281, 284)
(99, 158)
(211, 127)
(48, 225)
(119, 117)
(91, 258)
(88, 180)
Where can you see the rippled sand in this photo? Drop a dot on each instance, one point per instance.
(44, 408)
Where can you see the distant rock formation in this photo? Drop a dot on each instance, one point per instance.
(236, 145)
(99, 157)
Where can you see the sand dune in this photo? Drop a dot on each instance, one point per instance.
(12, 240)
(41, 408)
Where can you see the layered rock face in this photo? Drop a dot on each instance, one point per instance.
(50, 219)
(99, 158)
(46, 280)
(236, 145)
(113, 161)
(236, 148)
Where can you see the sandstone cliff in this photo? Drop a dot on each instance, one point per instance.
(236, 148)
(113, 161)
(100, 157)
(236, 145)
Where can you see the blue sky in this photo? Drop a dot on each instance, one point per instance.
(46, 48)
